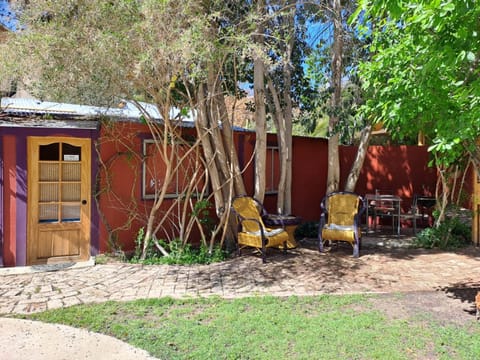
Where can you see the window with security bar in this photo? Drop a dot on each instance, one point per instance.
(59, 182)
(272, 177)
(179, 169)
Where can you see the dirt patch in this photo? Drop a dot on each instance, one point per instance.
(446, 306)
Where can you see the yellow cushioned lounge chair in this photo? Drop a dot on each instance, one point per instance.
(340, 219)
(252, 231)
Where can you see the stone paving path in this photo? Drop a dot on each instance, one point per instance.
(303, 271)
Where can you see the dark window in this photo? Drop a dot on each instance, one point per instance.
(50, 152)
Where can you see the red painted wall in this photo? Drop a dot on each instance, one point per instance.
(120, 147)
(309, 178)
(9, 200)
(120, 194)
(403, 169)
(245, 142)
(309, 168)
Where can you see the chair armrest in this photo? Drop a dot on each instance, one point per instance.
(261, 232)
(362, 206)
(322, 221)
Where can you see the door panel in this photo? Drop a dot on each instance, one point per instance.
(58, 199)
(57, 243)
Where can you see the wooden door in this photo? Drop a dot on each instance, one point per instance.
(58, 199)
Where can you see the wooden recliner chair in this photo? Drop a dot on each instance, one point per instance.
(252, 232)
(340, 219)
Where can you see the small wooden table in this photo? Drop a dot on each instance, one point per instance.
(287, 222)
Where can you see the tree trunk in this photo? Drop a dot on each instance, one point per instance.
(162, 143)
(223, 178)
(287, 113)
(359, 160)
(260, 112)
(209, 151)
(283, 109)
(475, 158)
(231, 152)
(442, 183)
(287, 206)
(280, 126)
(333, 177)
(213, 118)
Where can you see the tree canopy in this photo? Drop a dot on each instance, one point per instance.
(424, 72)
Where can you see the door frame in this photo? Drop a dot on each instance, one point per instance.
(33, 225)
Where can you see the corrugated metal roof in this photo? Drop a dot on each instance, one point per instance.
(17, 112)
(26, 107)
(36, 113)
(24, 122)
(26, 112)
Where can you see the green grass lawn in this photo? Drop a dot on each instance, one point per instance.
(322, 327)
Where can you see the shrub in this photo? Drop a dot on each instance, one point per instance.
(178, 253)
(452, 233)
(188, 254)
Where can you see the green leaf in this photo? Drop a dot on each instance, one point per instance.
(360, 8)
(447, 6)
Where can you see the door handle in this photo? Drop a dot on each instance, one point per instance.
(84, 202)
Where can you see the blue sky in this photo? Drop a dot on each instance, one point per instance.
(7, 17)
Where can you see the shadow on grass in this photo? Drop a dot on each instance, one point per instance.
(465, 292)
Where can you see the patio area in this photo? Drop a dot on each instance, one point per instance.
(386, 265)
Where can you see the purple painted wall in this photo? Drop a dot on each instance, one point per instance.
(1, 202)
(21, 221)
(20, 214)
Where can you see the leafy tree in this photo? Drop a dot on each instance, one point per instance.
(260, 109)
(280, 84)
(331, 70)
(171, 53)
(278, 80)
(424, 75)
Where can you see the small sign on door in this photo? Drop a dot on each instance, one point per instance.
(67, 157)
